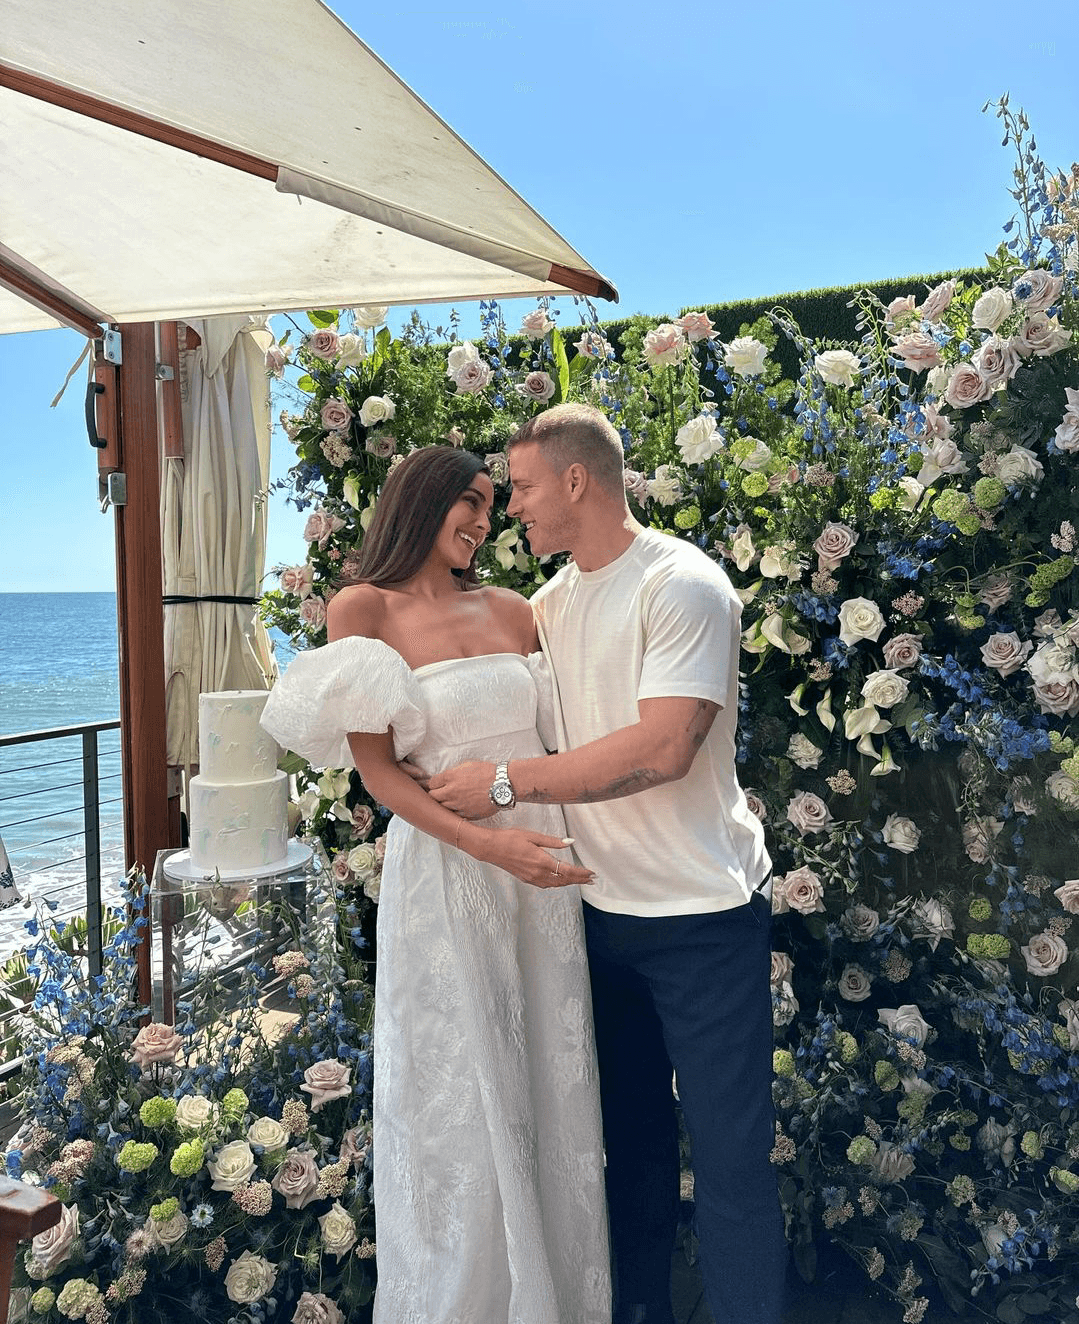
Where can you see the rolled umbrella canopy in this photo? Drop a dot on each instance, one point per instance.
(213, 521)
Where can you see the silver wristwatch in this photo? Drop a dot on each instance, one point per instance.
(501, 792)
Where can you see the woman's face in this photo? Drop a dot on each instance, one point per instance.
(467, 524)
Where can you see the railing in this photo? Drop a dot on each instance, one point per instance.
(16, 811)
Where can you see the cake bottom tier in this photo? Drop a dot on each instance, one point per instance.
(238, 826)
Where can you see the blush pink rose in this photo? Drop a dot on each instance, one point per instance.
(321, 526)
(782, 967)
(938, 300)
(323, 344)
(336, 415)
(1036, 290)
(326, 1081)
(298, 579)
(1045, 953)
(276, 358)
(997, 360)
(471, 377)
(902, 650)
(918, 351)
(834, 544)
(808, 813)
(1068, 895)
(907, 1021)
(537, 386)
(155, 1043)
(313, 612)
(695, 326)
(1041, 336)
(800, 890)
(53, 1247)
(535, 325)
(1005, 652)
(297, 1178)
(664, 345)
(966, 387)
(855, 984)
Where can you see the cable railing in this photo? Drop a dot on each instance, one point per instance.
(67, 880)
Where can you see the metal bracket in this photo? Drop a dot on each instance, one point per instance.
(112, 489)
(163, 372)
(112, 347)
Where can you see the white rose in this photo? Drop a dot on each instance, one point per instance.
(461, 355)
(808, 813)
(276, 358)
(834, 544)
(745, 356)
(782, 967)
(370, 316)
(1061, 698)
(966, 386)
(317, 1308)
(800, 890)
(338, 1230)
(859, 922)
(1053, 661)
(859, 619)
(472, 377)
(902, 650)
(699, 439)
(757, 458)
(1068, 895)
(906, 1021)
(942, 457)
(171, 1232)
(249, 1278)
(1045, 953)
(838, 367)
(933, 920)
(1068, 1009)
(377, 409)
(803, 751)
(901, 834)
(536, 386)
(1019, 465)
(992, 308)
(978, 837)
(666, 486)
(351, 350)
(1005, 652)
(1037, 290)
(233, 1165)
(194, 1111)
(1063, 788)
(884, 688)
(910, 492)
(855, 984)
(784, 1005)
(536, 324)
(269, 1134)
(890, 1164)
(756, 805)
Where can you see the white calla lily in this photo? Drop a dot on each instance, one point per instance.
(886, 764)
(824, 712)
(742, 550)
(772, 630)
(864, 721)
(795, 699)
(351, 488)
(752, 641)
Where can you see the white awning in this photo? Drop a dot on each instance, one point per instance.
(172, 160)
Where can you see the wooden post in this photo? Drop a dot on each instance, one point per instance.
(24, 1212)
(140, 619)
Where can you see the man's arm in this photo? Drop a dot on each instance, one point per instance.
(659, 748)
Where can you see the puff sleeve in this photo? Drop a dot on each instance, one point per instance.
(354, 684)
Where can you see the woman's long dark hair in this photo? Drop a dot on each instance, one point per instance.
(409, 513)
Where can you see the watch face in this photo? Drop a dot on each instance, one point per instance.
(502, 794)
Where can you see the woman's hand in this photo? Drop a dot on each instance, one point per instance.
(521, 852)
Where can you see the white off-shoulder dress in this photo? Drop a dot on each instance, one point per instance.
(488, 1166)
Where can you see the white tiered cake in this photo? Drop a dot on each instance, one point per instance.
(239, 800)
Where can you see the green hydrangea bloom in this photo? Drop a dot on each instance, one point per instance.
(861, 1150)
(187, 1158)
(914, 462)
(959, 1140)
(950, 506)
(161, 1213)
(688, 518)
(43, 1301)
(234, 1104)
(961, 1189)
(912, 1107)
(1061, 1036)
(1031, 1145)
(885, 1075)
(136, 1157)
(803, 1088)
(968, 525)
(989, 493)
(157, 1112)
(980, 909)
(884, 498)
(1064, 1180)
(848, 1045)
(783, 1062)
(1071, 767)
(76, 1298)
(755, 485)
(997, 946)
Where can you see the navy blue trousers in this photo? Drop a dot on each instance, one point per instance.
(689, 994)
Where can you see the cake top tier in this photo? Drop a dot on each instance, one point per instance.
(233, 748)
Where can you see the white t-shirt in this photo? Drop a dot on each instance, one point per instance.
(661, 621)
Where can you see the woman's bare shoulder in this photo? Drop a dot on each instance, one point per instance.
(516, 611)
(357, 609)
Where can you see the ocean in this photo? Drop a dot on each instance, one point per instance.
(58, 667)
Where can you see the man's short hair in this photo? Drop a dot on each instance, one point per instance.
(577, 434)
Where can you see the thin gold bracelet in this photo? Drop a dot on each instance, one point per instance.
(457, 834)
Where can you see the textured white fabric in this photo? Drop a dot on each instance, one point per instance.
(489, 1201)
(660, 621)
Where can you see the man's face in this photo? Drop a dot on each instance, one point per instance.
(539, 501)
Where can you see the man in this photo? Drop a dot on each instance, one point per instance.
(642, 631)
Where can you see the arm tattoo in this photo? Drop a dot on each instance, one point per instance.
(640, 779)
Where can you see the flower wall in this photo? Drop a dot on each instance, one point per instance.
(900, 521)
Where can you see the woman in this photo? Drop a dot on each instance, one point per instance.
(488, 1154)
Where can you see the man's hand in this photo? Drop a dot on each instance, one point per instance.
(465, 789)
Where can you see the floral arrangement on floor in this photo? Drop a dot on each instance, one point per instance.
(210, 1169)
(901, 525)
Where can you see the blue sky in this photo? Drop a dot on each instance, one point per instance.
(693, 154)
